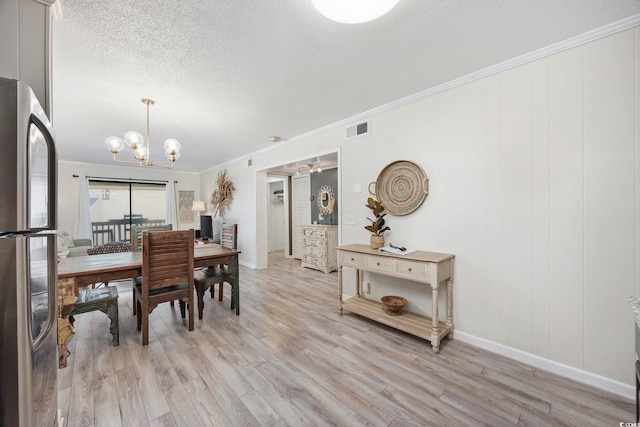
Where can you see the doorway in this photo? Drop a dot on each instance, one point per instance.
(276, 215)
(264, 199)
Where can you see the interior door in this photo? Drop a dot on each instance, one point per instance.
(301, 210)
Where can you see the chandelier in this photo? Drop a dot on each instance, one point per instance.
(142, 153)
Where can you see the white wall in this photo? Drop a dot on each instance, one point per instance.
(68, 186)
(534, 182)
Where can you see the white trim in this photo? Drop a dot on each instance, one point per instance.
(279, 163)
(581, 39)
(247, 264)
(595, 380)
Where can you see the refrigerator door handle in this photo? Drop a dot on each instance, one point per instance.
(52, 294)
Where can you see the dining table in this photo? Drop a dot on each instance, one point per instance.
(77, 272)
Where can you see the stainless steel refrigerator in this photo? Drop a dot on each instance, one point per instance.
(28, 264)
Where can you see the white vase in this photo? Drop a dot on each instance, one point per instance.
(217, 226)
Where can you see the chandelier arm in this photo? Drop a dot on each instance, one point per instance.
(136, 162)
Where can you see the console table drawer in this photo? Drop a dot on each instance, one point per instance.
(352, 259)
(415, 270)
(374, 263)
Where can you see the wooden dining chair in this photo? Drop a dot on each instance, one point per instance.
(167, 275)
(136, 234)
(136, 246)
(229, 240)
(218, 275)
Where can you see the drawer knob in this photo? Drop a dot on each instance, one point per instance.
(352, 259)
(409, 269)
(377, 263)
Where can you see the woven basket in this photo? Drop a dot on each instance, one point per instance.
(401, 187)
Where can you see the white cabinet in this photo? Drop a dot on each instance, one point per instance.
(25, 45)
(319, 247)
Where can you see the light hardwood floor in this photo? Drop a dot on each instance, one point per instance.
(290, 359)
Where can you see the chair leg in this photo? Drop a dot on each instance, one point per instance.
(200, 295)
(220, 290)
(139, 315)
(191, 309)
(145, 328)
(112, 312)
(134, 302)
(181, 303)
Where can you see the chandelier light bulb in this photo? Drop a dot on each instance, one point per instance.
(133, 139)
(171, 146)
(353, 11)
(140, 153)
(114, 144)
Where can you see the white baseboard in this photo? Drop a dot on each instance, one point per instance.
(595, 380)
(248, 265)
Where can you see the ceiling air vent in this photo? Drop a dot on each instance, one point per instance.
(358, 129)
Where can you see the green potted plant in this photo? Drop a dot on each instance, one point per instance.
(377, 227)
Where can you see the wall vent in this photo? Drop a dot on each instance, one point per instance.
(358, 129)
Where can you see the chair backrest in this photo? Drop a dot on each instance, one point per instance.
(229, 236)
(167, 259)
(136, 234)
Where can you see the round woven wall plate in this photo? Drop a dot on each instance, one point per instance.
(401, 187)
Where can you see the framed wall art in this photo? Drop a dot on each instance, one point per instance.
(185, 202)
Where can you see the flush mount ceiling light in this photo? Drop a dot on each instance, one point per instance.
(135, 141)
(353, 11)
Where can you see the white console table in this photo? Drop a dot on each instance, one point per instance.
(430, 268)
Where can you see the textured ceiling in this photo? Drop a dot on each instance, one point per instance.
(227, 75)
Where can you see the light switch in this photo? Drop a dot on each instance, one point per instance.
(357, 188)
(350, 219)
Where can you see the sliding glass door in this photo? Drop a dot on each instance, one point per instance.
(117, 205)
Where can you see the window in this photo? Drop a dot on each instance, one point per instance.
(117, 205)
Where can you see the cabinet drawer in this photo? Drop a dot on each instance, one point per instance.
(315, 232)
(313, 261)
(315, 251)
(312, 241)
(352, 259)
(380, 263)
(412, 269)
